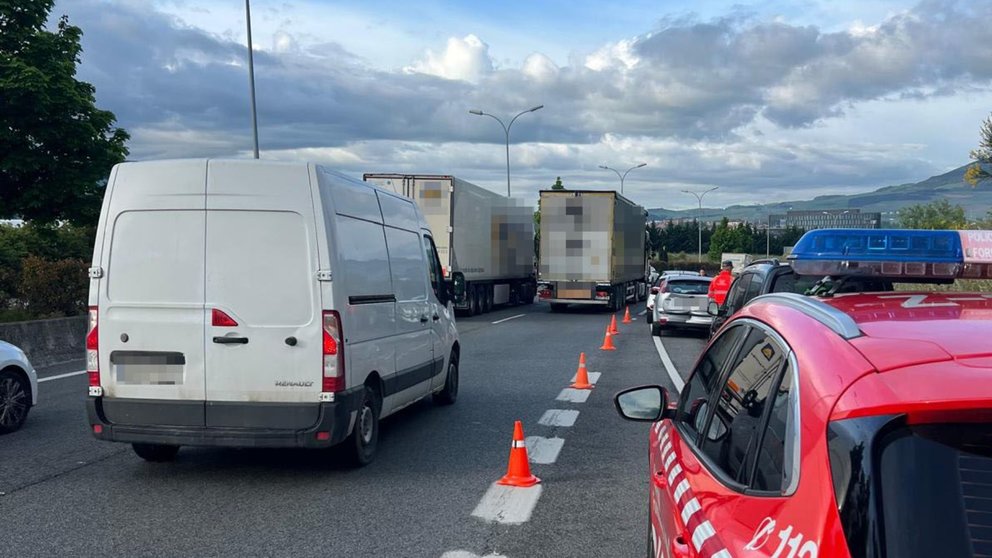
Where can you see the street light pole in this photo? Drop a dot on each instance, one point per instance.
(624, 175)
(251, 79)
(506, 131)
(699, 198)
(768, 237)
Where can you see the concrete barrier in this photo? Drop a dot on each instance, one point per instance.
(48, 342)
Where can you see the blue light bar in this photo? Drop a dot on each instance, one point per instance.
(891, 253)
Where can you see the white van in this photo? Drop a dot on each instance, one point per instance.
(257, 304)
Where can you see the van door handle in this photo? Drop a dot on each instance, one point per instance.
(437, 318)
(423, 319)
(231, 340)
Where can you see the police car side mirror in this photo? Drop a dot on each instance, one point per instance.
(643, 403)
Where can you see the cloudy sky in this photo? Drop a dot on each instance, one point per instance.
(770, 100)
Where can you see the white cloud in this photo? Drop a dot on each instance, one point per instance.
(465, 59)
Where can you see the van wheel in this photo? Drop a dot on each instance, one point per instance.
(449, 394)
(15, 401)
(364, 439)
(156, 453)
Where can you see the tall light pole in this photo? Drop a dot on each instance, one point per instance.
(624, 175)
(251, 78)
(699, 198)
(506, 130)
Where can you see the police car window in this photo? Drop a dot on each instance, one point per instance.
(738, 418)
(935, 485)
(773, 470)
(693, 405)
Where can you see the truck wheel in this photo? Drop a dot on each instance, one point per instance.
(449, 394)
(155, 453)
(15, 401)
(656, 330)
(364, 439)
(489, 299)
(529, 294)
(473, 303)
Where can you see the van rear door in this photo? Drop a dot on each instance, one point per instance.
(151, 295)
(263, 352)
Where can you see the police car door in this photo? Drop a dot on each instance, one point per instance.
(744, 463)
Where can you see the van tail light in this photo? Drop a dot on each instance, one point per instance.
(333, 375)
(219, 318)
(93, 349)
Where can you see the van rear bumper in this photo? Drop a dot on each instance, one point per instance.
(335, 418)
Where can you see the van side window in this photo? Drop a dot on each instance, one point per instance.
(433, 265)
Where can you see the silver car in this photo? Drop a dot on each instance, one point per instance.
(18, 388)
(681, 302)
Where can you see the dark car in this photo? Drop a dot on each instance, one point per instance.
(758, 278)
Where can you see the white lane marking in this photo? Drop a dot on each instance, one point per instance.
(593, 377)
(703, 532)
(558, 417)
(509, 505)
(60, 376)
(574, 395)
(510, 318)
(467, 554)
(669, 365)
(543, 450)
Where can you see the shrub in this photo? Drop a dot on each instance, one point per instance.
(53, 288)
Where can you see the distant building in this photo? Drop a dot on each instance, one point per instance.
(826, 219)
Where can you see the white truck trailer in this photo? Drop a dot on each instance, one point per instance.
(483, 239)
(593, 249)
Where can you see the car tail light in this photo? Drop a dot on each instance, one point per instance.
(544, 291)
(333, 375)
(93, 349)
(220, 319)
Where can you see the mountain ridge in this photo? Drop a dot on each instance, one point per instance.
(886, 200)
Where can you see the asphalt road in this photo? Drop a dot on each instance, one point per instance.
(62, 492)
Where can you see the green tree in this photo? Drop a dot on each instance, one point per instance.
(557, 185)
(982, 156)
(939, 214)
(57, 147)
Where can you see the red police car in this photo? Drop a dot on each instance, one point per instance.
(858, 425)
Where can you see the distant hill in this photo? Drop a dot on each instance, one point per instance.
(950, 185)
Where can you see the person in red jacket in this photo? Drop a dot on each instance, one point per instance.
(721, 283)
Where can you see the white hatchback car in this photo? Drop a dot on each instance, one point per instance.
(18, 388)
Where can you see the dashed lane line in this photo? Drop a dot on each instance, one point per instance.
(467, 554)
(570, 395)
(60, 376)
(510, 318)
(509, 505)
(668, 364)
(544, 451)
(558, 417)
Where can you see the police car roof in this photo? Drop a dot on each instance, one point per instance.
(933, 349)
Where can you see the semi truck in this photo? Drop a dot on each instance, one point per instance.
(593, 249)
(485, 241)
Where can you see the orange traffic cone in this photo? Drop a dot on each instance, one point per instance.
(626, 316)
(613, 325)
(608, 342)
(518, 471)
(581, 375)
